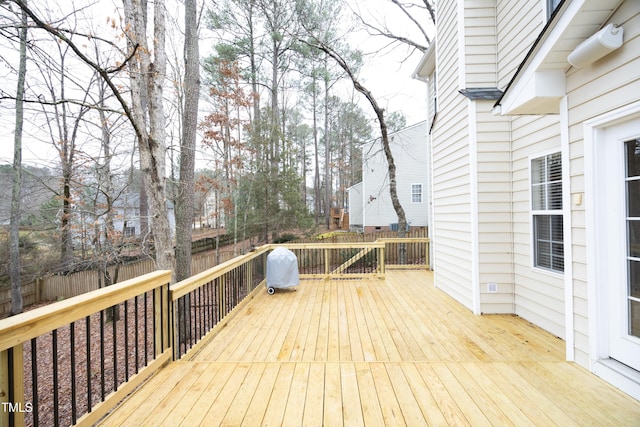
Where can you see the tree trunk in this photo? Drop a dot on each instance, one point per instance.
(327, 150)
(14, 232)
(393, 188)
(147, 78)
(186, 196)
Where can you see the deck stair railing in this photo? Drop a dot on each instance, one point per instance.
(49, 377)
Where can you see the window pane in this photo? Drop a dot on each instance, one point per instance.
(633, 198)
(546, 182)
(554, 165)
(557, 260)
(633, 157)
(555, 196)
(634, 278)
(634, 238)
(538, 171)
(543, 254)
(557, 230)
(549, 242)
(543, 227)
(538, 197)
(634, 318)
(416, 193)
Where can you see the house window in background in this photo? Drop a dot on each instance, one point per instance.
(546, 212)
(416, 193)
(129, 231)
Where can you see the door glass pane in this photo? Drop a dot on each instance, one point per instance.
(633, 198)
(634, 279)
(634, 238)
(634, 318)
(632, 160)
(633, 157)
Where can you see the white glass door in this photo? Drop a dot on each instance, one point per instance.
(623, 203)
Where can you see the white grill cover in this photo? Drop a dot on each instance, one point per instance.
(282, 268)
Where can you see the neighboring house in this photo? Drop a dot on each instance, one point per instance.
(536, 170)
(127, 215)
(356, 219)
(370, 207)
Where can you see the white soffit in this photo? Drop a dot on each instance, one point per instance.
(547, 63)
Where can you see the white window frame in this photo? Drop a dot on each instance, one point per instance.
(421, 193)
(533, 213)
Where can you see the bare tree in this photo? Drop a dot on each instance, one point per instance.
(147, 78)
(417, 13)
(147, 73)
(14, 245)
(379, 112)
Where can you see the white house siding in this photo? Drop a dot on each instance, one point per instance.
(608, 84)
(519, 23)
(494, 210)
(409, 149)
(450, 152)
(480, 43)
(355, 206)
(539, 295)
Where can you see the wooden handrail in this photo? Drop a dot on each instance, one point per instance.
(403, 240)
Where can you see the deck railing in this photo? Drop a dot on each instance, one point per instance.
(201, 302)
(406, 252)
(54, 372)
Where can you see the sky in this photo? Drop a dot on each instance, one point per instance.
(387, 74)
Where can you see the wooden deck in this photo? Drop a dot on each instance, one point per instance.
(374, 352)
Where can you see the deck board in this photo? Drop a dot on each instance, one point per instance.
(374, 352)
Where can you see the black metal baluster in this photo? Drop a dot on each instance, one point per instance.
(137, 301)
(56, 405)
(188, 318)
(161, 318)
(153, 323)
(126, 341)
(198, 314)
(72, 335)
(89, 397)
(102, 379)
(146, 329)
(114, 348)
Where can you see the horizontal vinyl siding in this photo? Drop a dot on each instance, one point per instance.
(480, 43)
(494, 210)
(451, 198)
(609, 83)
(539, 295)
(518, 25)
(409, 149)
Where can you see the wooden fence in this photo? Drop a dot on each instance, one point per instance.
(342, 237)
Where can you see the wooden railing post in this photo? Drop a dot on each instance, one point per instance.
(4, 387)
(162, 313)
(327, 262)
